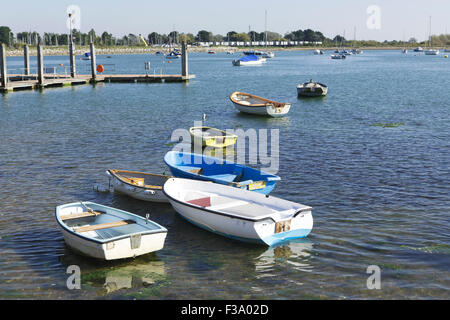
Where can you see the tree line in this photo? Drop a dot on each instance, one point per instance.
(175, 37)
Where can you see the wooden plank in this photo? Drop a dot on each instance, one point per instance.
(104, 226)
(79, 215)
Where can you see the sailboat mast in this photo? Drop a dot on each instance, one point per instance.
(265, 27)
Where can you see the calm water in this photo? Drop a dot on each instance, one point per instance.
(380, 194)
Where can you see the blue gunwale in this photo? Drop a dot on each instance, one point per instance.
(218, 170)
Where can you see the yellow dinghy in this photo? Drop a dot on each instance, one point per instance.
(212, 137)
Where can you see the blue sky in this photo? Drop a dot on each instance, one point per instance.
(399, 19)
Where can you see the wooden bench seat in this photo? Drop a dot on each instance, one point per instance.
(104, 226)
(80, 215)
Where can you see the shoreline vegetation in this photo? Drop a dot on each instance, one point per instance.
(115, 50)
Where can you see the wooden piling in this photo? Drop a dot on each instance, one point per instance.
(73, 72)
(4, 72)
(184, 60)
(26, 60)
(40, 63)
(93, 62)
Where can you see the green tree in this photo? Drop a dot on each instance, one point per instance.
(204, 36)
(6, 36)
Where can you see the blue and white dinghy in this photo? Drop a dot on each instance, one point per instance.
(107, 233)
(201, 167)
(238, 214)
(249, 60)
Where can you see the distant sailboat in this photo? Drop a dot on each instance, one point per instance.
(430, 51)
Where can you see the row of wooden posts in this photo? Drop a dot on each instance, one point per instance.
(40, 63)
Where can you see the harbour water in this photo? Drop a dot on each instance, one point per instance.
(371, 158)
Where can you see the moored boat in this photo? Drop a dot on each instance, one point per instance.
(212, 137)
(312, 89)
(432, 52)
(139, 185)
(337, 56)
(418, 49)
(107, 233)
(249, 60)
(252, 104)
(202, 167)
(238, 214)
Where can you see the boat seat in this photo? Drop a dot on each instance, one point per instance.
(225, 177)
(80, 215)
(202, 202)
(104, 225)
(195, 170)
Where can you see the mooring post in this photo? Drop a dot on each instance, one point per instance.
(93, 62)
(26, 60)
(72, 59)
(40, 63)
(184, 60)
(4, 73)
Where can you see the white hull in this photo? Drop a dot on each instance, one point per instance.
(269, 110)
(432, 52)
(249, 226)
(119, 249)
(248, 63)
(138, 193)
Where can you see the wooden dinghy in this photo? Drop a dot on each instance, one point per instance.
(107, 233)
(212, 137)
(202, 167)
(312, 89)
(139, 185)
(238, 214)
(249, 103)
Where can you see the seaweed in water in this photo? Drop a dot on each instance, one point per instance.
(388, 125)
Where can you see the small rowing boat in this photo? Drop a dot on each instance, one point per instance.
(249, 103)
(212, 137)
(202, 167)
(312, 89)
(249, 60)
(139, 185)
(238, 214)
(107, 233)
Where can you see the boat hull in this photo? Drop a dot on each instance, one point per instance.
(118, 249)
(152, 195)
(264, 111)
(265, 231)
(312, 92)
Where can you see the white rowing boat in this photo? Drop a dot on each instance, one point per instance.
(252, 104)
(238, 214)
(107, 233)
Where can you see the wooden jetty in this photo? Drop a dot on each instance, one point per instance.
(13, 82)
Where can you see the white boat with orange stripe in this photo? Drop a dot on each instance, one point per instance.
(238, 214)
(252, 104)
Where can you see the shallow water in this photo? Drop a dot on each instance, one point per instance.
(380, 194)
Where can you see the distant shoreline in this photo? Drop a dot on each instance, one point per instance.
(61, 51)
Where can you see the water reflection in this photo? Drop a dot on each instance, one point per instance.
(295, 253)
(106, 277)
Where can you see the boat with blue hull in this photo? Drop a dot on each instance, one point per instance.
(201, 167)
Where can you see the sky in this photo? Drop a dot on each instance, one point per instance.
(367, 19)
